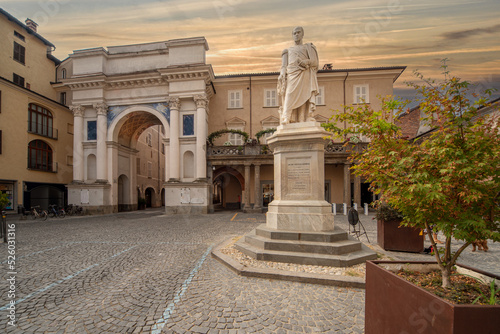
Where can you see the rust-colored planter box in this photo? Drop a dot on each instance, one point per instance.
(394, 305)
(392, 237)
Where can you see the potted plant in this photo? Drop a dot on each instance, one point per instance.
(4, 201)
(142, 203)
(391, 235)
(448, 178)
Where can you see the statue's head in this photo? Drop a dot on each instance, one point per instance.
(298, 33)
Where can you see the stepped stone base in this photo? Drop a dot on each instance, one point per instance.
(334, 248)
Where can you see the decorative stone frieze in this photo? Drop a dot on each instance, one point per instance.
(186, 76)
(136, 83)
(85, 85)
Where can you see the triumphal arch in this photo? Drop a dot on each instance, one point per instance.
(116, 93)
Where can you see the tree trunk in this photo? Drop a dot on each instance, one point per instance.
(446, 274)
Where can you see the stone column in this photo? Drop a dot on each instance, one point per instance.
(201, 137)
(210, 176)
(347, 184)
(174, 170)
(78, 112)
(258, 193)
(167, 159)
(357, 191)
(102, 131)
(247, 187)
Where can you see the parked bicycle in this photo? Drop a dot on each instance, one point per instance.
(37, 212)
(72, 209)
(54, 211)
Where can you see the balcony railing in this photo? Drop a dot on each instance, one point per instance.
(48, 132)
(264, 150)
(51, 167)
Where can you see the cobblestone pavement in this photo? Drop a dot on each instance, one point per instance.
(145, 272)
(487, 261)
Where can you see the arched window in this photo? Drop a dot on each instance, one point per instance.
(63, 73)
(39, 156)
(40, 121)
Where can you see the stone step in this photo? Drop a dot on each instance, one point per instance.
(330, 236)
(344, 260)
(333, 248)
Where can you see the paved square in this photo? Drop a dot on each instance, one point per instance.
(145, 272)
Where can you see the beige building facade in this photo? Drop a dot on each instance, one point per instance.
(36, 129)
(244, 177)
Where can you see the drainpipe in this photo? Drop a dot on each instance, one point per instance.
(159, 163)
(250, 106)
(345, 123)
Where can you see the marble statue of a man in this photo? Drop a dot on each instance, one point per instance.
(297, 82)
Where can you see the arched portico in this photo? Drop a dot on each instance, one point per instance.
(228, 187)
(126, 124)
(116, 98)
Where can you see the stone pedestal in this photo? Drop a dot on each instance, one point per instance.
(299, 178)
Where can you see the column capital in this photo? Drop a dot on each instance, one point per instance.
(78, 110)
(174, 103)
(201, 101)
(101, 108)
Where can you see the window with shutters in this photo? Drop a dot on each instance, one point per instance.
(62, 98)
(19, 53)
(235, 138)
(18, 80)
(150, 170)
(269, 123)
(18, 35)
(361, 94)
(234, 99)
(320, 98)
(270, 99)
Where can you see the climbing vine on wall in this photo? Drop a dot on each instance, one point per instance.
(216, 134)
(263, 132)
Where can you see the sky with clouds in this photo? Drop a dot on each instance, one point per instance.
(249, 35)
